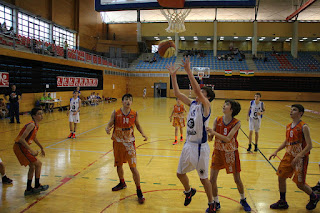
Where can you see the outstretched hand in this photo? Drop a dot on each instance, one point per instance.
(172, 69)
(186, 64)
(273, 155)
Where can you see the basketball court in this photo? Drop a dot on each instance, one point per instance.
(80, 172)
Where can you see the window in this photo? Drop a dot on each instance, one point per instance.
(33, 27)
(61, 35)
(6, 16)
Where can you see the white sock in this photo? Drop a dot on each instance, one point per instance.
(216, 199)
(242, 196)
(188, 191)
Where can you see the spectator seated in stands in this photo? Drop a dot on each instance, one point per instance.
(92, 99)
(50, 48)
(4, 27)
(4, 112)
(153, 60)
(10, 32)
(84, 101)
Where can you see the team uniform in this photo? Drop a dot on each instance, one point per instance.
(295, 143)
(226, 154)
(255, 119)
(74, 107)
(178, 116)
(196, 151)
(124, 148)
(144, 92)
(23, 154)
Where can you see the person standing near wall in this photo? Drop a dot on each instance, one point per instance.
(14, 99)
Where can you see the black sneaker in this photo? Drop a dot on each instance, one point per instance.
(6, 180)
(281, 204)
(255, 148)
(245, 205)
(212, 208)
(32, 191)
(316, 188)
(313, 203)
(119, 187)
(249, 148)
(189, 196)
(141, 199)
(42, 187)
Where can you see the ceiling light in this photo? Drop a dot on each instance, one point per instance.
(304, 38)
(301, 40)
(290, 38)
(315, 40)
(318, 38)
(235, 37)
(222, 37)
(156, 37)
(277, 37)
(287, 39)
(181, 37)
(263, 37)
(260, 39)
(249, 37)
(208, 39)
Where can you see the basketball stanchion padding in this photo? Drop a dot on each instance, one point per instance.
(166, 49)
(171, 3)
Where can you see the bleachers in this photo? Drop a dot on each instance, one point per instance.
(160, 64)
(285, 62)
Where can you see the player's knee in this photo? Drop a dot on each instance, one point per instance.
(300, 185)
(38, 164)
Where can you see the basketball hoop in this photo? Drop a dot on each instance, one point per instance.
(176, 18)
(200, 75)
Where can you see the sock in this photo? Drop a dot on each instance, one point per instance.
(242, 196)
(138, 187)
(29, 185)
(121, 180)
(181, 136)
(71, 131)
(283, 196)
(188, 190)
(139, 193)
(313, 196)
(209, 203)
(176, 137)
(216, 199)
(37, 184)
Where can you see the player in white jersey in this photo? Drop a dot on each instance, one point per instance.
(74, 117)
(196, 152)
(145, 92)
(255, 112)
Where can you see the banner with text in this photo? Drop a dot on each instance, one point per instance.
(4, 79)
(76, 82)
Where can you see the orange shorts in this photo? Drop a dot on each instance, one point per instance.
(228, 160)
(285, 169)
(178, 122)
(23, 155)
(123, 153)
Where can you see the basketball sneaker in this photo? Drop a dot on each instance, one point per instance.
(245, 205)
(316, 188)
(249, 148)
(6, 180)
(73, 136)
(119, 187)
(281, 204)
(212, 208)
(42, 188)
(33, 191)
(175, 142)
(141, 199)
(313, 203)
(181, 139)
(70, 136)
(189, 196)
(255, 147)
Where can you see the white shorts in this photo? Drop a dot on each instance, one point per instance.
(74, 118)
(254, 124)
(194, 156)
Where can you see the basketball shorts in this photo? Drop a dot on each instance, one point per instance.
(24, 156)
(178, 122)
(194, 156)
(299, 172)
(254, 124)
(74, 118)
(228, 160)
(124, 153)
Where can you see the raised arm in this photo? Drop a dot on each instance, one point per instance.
(110, 123)
(173, 72)
(195, 86)
(139, 128)
(224, 138)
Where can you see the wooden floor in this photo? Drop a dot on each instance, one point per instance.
(80, 172)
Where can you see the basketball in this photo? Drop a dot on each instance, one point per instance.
(166, 49)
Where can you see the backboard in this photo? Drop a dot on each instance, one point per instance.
(116, 5)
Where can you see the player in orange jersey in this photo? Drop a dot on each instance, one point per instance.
(295, 161)
(225, 154)
(26, 155)
(178, 120)
(123, 121)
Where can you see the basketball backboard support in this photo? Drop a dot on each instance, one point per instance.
(116, 5)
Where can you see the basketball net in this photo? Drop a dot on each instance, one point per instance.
(175, 18)
(200, 76)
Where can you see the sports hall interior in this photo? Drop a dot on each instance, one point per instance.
(81, 173)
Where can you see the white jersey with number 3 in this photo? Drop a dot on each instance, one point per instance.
(74, 104)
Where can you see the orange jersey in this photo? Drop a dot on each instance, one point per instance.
(178, 111)
(295, 139)
(224, 129)
(31, 135)
(124, 126)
